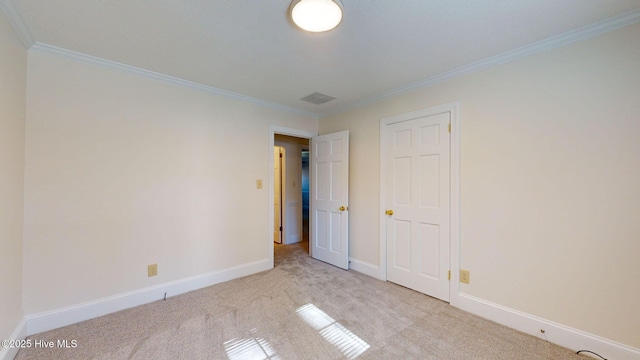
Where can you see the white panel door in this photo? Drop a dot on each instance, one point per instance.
(329, 195)
(417, 201)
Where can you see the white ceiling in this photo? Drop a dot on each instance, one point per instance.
(249, 47)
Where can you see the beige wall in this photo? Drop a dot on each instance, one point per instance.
(123, 171)
(550, 167)
(13, 81)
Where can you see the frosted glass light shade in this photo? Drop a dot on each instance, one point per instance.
(316, 15)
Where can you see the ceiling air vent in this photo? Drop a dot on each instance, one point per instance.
(317, 98)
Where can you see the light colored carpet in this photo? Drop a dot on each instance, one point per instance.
(302, 309)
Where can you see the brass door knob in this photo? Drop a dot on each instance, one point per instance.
(343, 208)
(389, 212)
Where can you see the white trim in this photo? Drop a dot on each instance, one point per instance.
(382, 231)
(365, 268)
(454, 197)
(89, 59)
(582, 33)
(454, 202)
(562, 335)
(17, 23)
(49, 320)
(18, 334)
(281, 130)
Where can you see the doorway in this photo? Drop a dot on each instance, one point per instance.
(273, 131)
(328, 193)
(278, 167)
(305, 193)
(291, 190)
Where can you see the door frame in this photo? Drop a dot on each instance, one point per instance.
(281, 130)
(454, 186)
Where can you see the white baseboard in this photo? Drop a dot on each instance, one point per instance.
(37, 323)
(553, 332)
(18, 334)
(365, 268)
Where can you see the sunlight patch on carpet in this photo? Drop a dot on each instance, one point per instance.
(337, 335)
(254, 348)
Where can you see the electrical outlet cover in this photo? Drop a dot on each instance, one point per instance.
(465, 277)
(152, 270)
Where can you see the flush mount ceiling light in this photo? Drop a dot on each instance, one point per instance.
(316, 15)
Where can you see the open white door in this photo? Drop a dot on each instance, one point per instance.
(329, 195)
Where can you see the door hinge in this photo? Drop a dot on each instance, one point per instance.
(449, 131)
(449, 276)
(449, 127)
(281, 230)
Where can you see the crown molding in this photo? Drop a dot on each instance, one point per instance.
(586, 32)
(25, 35)
(89, 59)
(16, 22)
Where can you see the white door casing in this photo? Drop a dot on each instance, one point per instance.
(416, 162)
(329, 197)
